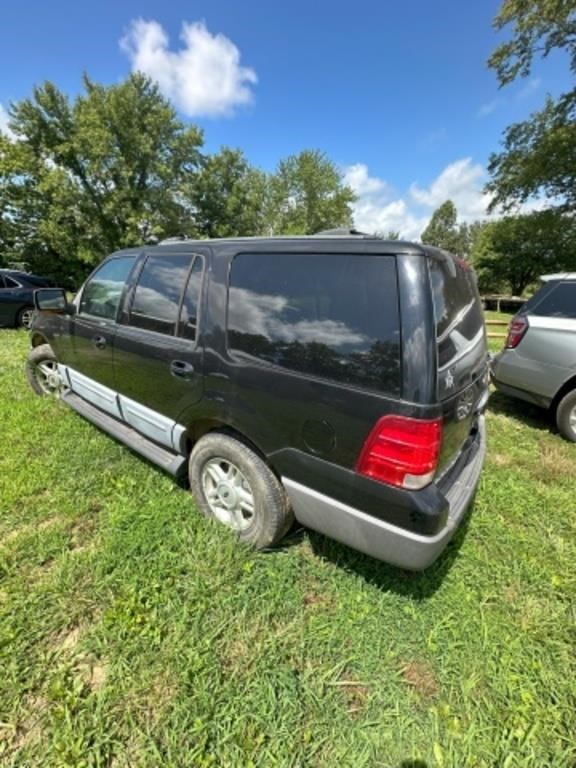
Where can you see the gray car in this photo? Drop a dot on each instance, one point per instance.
(538, 363)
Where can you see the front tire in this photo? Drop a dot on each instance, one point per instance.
(566, 416)
(42, 371)
(234, 485)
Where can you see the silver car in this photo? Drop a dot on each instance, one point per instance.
(538, 363)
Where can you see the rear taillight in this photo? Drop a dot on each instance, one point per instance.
(516, 331)
(401, 451)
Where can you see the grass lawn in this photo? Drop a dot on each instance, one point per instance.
(135, 633)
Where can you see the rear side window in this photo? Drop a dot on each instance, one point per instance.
(329, 315)
(457, 309)
(158, 291)
(188, 324)
(559, 301)
(102, 293)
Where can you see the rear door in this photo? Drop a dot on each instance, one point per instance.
(157, 356)
(461, 349)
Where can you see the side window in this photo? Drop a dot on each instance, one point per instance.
(9, 283)
(158, 291)
(2, 282)
(101, 294)
(191, 302)
(560, 302)
(329, 315)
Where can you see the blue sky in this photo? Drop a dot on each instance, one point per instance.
(396, 93)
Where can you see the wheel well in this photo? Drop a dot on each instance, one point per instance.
(568, 386)
(37, 339)
(200, 428)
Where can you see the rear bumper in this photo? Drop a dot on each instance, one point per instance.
(378, 538)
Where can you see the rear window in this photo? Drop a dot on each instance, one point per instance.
(457, 309)
(329, 315)
(554, 300)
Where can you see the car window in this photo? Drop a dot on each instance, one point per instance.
(457, 309)
(329, 315)
(2, 282)
(191, 302)
(102, 293)
(10, 283)
(559, 301)
(158, 291)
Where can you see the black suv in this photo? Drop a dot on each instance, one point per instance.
(337, 379)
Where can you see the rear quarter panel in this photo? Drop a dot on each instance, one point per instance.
(545, 358)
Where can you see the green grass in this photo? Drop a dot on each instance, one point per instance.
(135, 633)
(496, 344)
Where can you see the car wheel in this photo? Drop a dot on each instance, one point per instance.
(42, 371)
(566, 416)
(25, 317)
(233, 485)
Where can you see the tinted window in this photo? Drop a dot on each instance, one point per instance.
(191, 302)
(10, 283)
(158, 291)
(457, 308)
(558, 302)
(102, 292)
(328, 315)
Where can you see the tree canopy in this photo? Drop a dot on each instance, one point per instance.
(444, 231)
(308, 195)
(539, 154)
(115, 167)
(509, 254)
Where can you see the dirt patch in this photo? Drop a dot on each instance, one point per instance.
(420, 676)
(501, 459)
(354, 693)
(29, 529)
(554, 464)
(81, 534)
(94, 673)
(316, 596)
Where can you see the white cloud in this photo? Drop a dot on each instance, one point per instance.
(357, 177)
(532, 85)
(4, 118)
(378, 210)
(461, 182)
(204, 77)
(488, 108)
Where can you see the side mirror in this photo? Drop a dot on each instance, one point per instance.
(53, 300)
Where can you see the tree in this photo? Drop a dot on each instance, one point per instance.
(308, 195)
(539, 155)
(511, 253)
(443, 230)
(229, 197)
(102, 173)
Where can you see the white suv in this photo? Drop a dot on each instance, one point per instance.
(538, 363)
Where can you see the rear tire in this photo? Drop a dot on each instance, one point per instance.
(24, 318)
(42, 371)
(234, 485)
(566, 416)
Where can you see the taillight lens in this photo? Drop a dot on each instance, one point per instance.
(402, 451)
(516, 331)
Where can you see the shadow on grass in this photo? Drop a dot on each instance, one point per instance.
(418, 585)
(413, 764)
(519, 410)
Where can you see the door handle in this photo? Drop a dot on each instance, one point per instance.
(181, 369)
(99, 342)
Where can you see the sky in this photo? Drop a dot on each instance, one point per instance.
(397, 94)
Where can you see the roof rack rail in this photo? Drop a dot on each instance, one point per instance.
(174, 239)
(343, 232)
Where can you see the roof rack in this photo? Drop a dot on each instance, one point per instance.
(343, 232)
(175, 239)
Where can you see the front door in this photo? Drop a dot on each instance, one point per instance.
(157, 358)
(93, 328)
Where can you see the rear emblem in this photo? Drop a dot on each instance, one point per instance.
(464, 407)
(450, 378)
